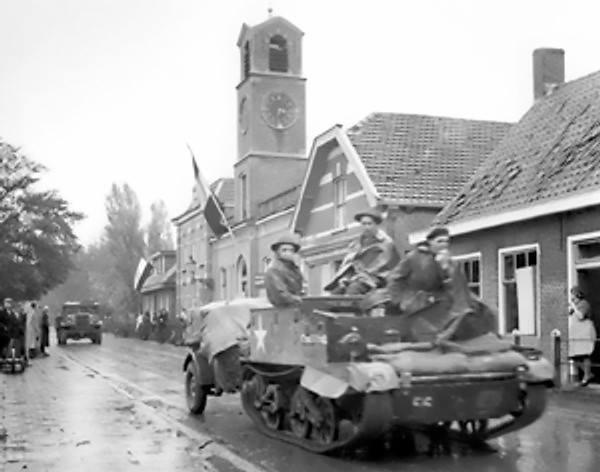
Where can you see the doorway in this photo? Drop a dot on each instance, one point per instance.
(588, 279)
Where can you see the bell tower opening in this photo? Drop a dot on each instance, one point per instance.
(278, 54)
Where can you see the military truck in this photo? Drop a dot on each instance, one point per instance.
(79, 320)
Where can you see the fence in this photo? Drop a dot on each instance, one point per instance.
(565, 370)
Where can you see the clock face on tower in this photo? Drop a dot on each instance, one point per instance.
(279, 110)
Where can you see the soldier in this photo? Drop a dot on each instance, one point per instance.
(418, 279)
(369, 260)
(283, 279)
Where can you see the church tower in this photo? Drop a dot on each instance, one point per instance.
(271, 102)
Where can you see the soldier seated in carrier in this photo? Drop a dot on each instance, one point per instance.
(369, 260)
(429, 277)
(283, 279)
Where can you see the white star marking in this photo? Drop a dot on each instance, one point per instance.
(260, 334)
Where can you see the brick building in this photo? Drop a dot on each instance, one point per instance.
(527, 225)
(408, 166)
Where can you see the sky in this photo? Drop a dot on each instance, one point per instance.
(103, 91)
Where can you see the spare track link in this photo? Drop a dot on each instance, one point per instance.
(374, 420)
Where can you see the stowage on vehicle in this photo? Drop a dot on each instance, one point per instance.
(79, 320)
(332, 375)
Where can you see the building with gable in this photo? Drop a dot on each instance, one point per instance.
(268, 170)
(158, 289)
(528, 222)
(407, 166)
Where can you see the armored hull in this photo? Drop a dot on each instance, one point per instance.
(329, 377)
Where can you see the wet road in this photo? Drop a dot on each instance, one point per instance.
(564, 440)
(150, 376)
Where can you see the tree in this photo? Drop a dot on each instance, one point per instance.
(37, 241)
(159, 229)
(124, 240)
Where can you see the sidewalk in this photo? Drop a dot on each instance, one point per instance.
(57, 416)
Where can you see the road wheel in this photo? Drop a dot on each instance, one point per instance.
(195, 393)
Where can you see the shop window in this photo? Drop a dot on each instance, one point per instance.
(519, 291)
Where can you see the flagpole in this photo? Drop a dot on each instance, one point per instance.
(200, 179)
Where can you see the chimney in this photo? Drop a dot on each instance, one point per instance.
(548, 71)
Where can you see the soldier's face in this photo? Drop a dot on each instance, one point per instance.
(368, 224)
(286, 251)
(439, 243)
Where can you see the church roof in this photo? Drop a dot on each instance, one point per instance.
(552, 154)
(419, 159)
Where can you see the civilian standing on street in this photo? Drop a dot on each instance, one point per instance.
(45, 331)
(582, 334)
(283, 279)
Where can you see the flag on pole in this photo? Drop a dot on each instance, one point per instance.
(141, 274)
(213, 208)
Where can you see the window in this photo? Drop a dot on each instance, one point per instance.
(519, 274)
(224, 283)
(242, 277)
(278, 55)
(243, 196)
(246, 59)
(471, 266)
(339, 197)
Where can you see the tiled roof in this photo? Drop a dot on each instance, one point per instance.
(423, 159)
(280, 202)
(552, 152)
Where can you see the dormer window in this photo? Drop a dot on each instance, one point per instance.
(278, 54)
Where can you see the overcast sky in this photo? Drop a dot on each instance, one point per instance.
(103, 91)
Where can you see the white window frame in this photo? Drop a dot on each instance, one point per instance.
(571, 243)
(501, 315)
(472, 256)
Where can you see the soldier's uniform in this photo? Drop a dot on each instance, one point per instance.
(283, 279)
(370, 259)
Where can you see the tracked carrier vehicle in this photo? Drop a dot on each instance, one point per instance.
(329, 376)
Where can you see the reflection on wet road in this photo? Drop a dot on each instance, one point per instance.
(564, 440)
